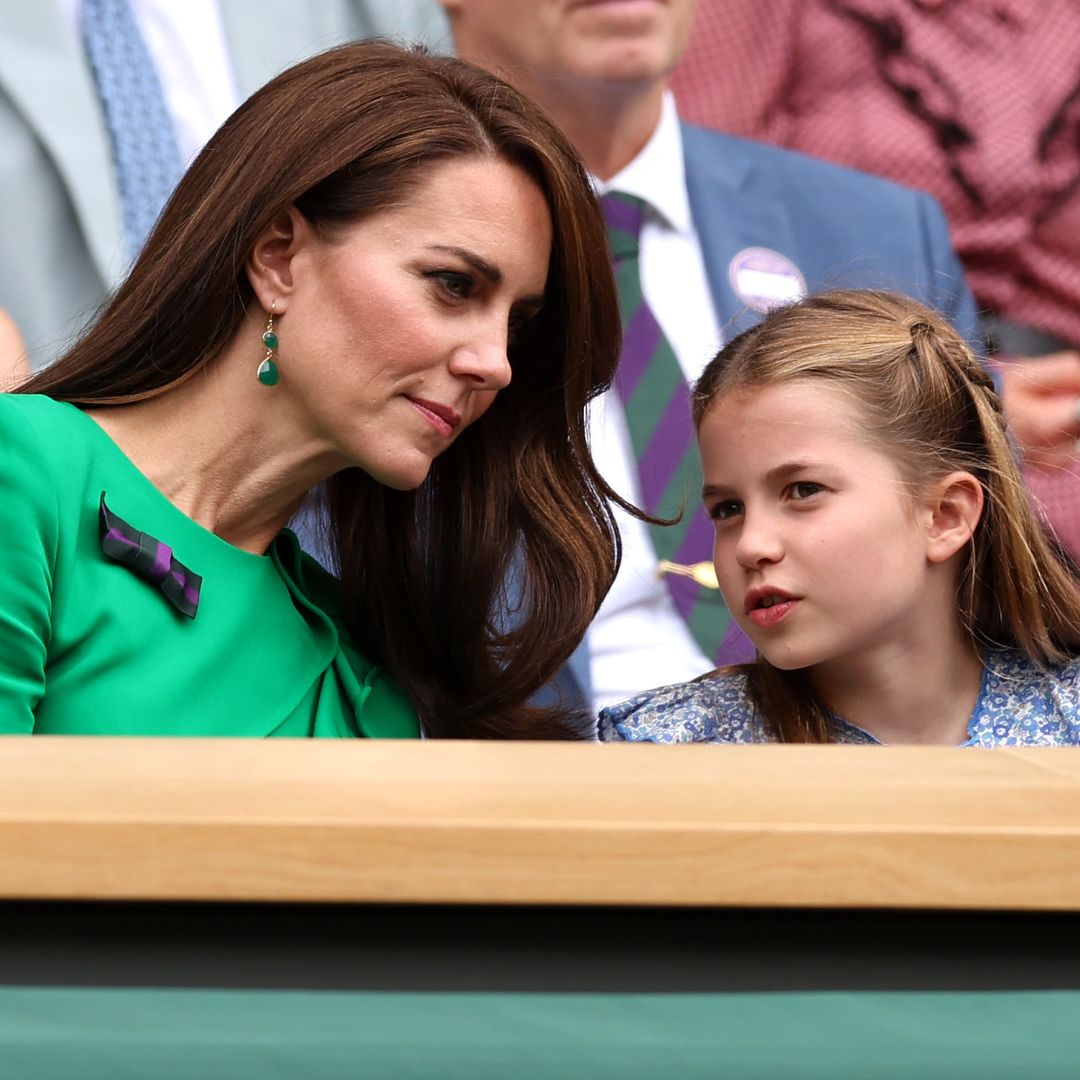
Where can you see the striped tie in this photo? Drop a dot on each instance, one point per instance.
(656, 399)
(144, 147)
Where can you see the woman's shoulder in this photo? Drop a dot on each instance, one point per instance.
(1027, 704)
(714, 708)
(35, 426)
(36, 412)
(41, 453)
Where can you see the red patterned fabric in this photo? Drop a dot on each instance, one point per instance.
(975, 101)
(811, 74)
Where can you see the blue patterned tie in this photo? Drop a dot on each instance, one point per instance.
(144, 147)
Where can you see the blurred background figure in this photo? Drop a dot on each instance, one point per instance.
(976, 101)
(102, 105)
(707, 233)
(14, 366)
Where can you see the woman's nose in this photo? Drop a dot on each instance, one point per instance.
(484, 362)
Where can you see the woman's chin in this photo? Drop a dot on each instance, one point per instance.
(400, 476)
(402, 483)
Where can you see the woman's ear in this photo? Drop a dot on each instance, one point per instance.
(954, 505)
(270, 264)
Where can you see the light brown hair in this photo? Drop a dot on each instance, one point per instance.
(927, 402)
(476, 587)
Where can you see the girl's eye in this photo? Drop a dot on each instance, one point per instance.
(804, 489)
(724, 510)
(457, 285)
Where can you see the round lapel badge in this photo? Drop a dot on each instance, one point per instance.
(764, 279)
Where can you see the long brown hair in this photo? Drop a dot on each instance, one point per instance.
(928, 403)
(476, 587)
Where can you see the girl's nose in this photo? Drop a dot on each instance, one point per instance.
(758, 543)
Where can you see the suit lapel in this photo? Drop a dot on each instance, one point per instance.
(734, 208)
(44, 71)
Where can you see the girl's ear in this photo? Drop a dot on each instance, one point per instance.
(954, 505)
(270, 264)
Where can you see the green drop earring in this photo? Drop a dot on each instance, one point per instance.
(268, 373)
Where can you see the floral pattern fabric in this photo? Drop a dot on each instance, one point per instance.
(1019, 704)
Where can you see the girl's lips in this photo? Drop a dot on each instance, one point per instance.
(766, 617)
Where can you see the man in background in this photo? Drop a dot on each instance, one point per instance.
(977, 103)
(709, 231)
(102, 105)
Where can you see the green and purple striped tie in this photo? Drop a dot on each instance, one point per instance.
(656, 400)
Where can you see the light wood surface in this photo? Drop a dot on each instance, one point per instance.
(539, 823)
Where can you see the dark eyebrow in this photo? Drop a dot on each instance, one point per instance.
(778, 472)
(481, 266)
(486, 269)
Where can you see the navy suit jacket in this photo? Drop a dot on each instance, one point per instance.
(841, 228)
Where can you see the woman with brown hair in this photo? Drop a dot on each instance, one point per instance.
(874, 540)
(384, 278)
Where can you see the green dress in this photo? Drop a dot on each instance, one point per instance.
(90, 647)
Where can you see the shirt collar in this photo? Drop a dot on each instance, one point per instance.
(658, 174)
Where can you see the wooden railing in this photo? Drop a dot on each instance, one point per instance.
(438, 822)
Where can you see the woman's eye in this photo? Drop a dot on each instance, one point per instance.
(456, 284)
(722, 511)
(804, 489)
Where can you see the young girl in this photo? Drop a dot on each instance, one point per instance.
(874, 540)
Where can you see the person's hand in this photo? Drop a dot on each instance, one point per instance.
(14, 363)
(1041, 397)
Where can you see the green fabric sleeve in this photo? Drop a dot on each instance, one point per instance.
(383, 711)
(29, 526)
(388, 713)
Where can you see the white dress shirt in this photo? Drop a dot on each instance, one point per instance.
(638, 639)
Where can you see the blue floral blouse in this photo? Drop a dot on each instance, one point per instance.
(1019, 705)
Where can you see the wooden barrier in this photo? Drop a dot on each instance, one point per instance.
(488, 823)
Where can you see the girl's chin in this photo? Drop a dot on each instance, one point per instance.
(784, 660)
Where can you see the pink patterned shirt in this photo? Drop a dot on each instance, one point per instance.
(975, 101)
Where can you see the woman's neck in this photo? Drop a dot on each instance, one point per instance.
(920, 691)
(223, 449)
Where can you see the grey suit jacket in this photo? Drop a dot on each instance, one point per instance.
(840, 228)
(61, 239)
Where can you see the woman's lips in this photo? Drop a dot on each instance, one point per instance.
(441, 417)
